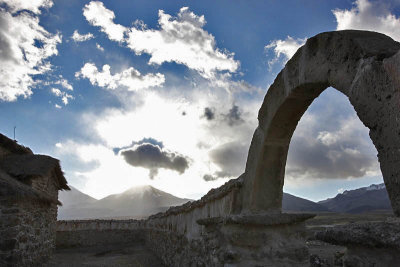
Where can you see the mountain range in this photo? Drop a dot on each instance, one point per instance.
(140, 202)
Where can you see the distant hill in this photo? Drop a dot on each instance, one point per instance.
(365, 199)
(140, 202)
(137, 202)
(292, 203)
(74, 198)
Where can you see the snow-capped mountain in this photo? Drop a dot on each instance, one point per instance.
(365, 199)
(376, 187)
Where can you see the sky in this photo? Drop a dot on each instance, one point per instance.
(166, 93)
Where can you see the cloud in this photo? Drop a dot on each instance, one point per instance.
(329, 144)
(153, 157)
(209, 177)
(130, 78)
(230, 158)
(365, 15)
(284, 49)
(63, 95)
(144, 140)
(99, 47)
(180, 39)
(234, 116)
(183, 40)
(77, 37)
(158, 114)
(64, 83)
(32, 5)
(25, 48)
(97, 15)
(371, 16)
(209, 113)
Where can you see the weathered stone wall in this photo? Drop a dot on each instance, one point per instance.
(85, 233)
(27, 232)
(46, 184)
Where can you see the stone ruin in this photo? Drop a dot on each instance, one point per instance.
(29, 187)
(241, 222)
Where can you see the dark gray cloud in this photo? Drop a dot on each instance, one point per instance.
(230, 158)
(234, 116)
(331, 143)
(209, 113)
(317, 160)
(149, 140)
(153, 157)
(209, 177)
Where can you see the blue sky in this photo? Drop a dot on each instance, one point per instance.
(166, 93)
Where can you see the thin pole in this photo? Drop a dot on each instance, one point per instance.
(14, 132)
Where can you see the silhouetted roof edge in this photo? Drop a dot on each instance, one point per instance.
(13, 146)
(30, 166)
(16, 190)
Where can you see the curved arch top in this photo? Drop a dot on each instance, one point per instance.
(365, 66)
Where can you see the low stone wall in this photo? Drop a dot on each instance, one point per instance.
(84, 233)
(182, 220)
(206, 232)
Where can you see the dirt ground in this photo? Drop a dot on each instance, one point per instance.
(132, 255)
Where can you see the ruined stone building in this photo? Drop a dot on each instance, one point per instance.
(240, 223)
(29, 186)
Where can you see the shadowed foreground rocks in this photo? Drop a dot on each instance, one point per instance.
(368, 243)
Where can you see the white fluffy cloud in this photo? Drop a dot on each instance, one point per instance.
(77, 37)
(64, 83)
(97, 15)
(130, 78)
(183, 40)
(65, 97)
(99, 47)
(371, 16)
(180, 39)
(31, 5)
(365, 15)
(285, 48)
(25, 47)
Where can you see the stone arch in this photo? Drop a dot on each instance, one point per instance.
(364, 66)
